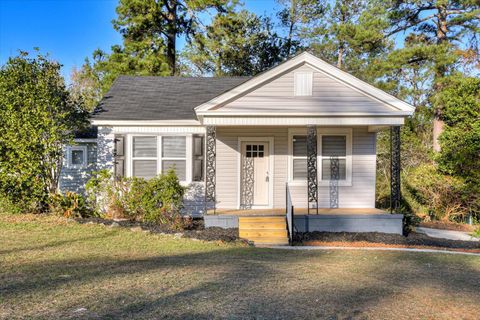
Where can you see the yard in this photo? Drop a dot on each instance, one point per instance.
(54, 268)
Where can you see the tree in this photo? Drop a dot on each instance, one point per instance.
(295, 16)
(38, 118)
(450, 29)
(237, 44)
(349, 34)
(94, 79)
(460, 141)
(159, 23)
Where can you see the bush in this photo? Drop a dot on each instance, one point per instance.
(69, 205)
(435, 196)
(157, 200)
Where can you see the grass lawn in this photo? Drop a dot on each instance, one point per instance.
(52, 268)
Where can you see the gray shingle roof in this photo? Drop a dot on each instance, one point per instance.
(160, 98)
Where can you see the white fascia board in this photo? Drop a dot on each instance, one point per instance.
(304, 114)
(303, 121)
(145, 122)
(307, 58)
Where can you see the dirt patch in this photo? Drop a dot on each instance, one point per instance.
(196, 230)
(447, 226)
(371, 239)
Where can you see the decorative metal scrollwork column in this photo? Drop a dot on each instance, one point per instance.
(210, 168)
(248, 171)
(334, 177)
(395, 193)
(312, 167)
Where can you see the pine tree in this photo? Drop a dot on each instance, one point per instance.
(161, 22)
(237, 44)
(450, 29)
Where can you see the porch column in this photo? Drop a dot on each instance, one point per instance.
(210, 168)
(395, 193)
(312, 168)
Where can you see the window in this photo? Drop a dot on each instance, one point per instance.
(299, 156)
(334, 148)
(174, 155)
(149, 156)
(76, 156)
(332, 144)
(144, 156)
(303, 83)
(335, 144)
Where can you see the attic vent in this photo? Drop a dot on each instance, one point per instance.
(303, 83)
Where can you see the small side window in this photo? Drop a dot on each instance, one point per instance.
(76, 156)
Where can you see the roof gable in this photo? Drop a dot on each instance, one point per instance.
(334, 91)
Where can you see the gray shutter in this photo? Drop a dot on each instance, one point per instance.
(119, 156)
(198, 160)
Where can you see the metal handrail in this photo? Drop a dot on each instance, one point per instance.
(290, 214)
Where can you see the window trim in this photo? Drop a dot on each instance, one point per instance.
(133, 158)
(162, 158)
(159, 136)
(69, 157)
(348, 132)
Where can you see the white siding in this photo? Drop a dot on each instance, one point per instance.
(328, 95)
(360, 195)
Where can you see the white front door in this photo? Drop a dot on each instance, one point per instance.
(255, 175)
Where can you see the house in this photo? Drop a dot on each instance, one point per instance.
(299, 136)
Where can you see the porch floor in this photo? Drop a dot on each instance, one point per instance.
(297, 211)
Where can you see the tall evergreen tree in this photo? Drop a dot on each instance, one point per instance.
(237, 44)
(450, 30)
(349, 34)
(161, 22)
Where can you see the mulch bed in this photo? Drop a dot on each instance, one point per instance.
(196, 231)
(375, 239)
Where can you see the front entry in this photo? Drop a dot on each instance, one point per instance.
(255, 174)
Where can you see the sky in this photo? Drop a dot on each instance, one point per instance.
(69, 30)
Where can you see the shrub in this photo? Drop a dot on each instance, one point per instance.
(157, 200)
(432, 195)
(69, 205)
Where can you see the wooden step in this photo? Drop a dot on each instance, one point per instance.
(270, 218)
(263, 225)
(246, 233)
(272, 241)
(264, 230)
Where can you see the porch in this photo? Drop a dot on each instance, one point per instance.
(267, 223)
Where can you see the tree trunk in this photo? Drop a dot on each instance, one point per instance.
(172, 37)
(340, 57)
(440, 71)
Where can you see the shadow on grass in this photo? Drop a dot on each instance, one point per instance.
(58, 243)
(250, 283)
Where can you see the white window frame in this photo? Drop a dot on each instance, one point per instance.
(133, 158)
(162, 158)
(188, 153)
(291, 133)
(304, 91)
(348, 132)
(69, 157)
